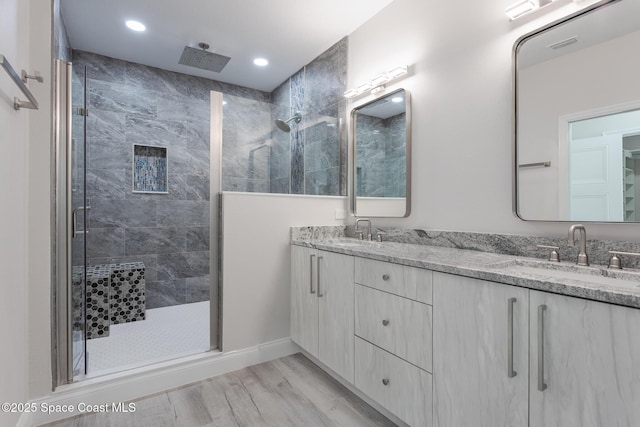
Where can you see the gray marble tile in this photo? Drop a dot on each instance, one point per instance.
(197, 238)
(119, 98)
(105, 126)
(123, 213)
(183, 213)
(326, 77)
(280, 185)
(158, 240)
(324, 182)
(104, 242)
(198, 289)
(181, 265)
(108, 155)
(188, 187)
(179, 107)
(297, 163)
(188, 162)
(165, 293)
(147, 131)
(197, 134)
(281, 96)
(107, 184)
(100, 67)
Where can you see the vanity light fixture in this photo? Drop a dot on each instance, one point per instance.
(377, 83)
(518, 9)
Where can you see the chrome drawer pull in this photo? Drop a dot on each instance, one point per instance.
(541, 385)
(385, 277)
(385, 381)
(385, 322)
(510, 372)
(311, 276)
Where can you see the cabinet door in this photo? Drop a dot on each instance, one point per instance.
(591, 363)
(336, 309)
(471, 351)
(304, 299)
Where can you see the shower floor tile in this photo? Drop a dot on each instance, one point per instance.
(167, 333)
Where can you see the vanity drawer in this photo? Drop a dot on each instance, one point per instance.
(409, 282)
(397, 385)
(398, 325)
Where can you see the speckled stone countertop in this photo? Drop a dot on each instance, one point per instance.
(594, 283)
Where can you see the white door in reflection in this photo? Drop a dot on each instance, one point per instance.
(595, 179)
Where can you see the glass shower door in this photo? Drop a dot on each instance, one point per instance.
(78, 210)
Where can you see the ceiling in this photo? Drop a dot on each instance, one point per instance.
(615, 20)
(288, 33)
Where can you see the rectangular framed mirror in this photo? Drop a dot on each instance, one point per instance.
(577, 117)
(381, 156)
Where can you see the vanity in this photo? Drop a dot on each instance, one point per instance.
(449, 337)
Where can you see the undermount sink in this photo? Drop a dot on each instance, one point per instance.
(566, 271)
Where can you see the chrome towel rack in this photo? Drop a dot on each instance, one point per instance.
(31, 104)
(535, 165)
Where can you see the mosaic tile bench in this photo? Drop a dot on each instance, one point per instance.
(115, 294)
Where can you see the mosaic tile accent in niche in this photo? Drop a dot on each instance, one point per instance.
(149, 169)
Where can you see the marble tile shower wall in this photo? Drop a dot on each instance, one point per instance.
(381, 146)
(134, 104)
(311, 159)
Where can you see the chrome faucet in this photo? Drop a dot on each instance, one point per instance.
(583, 259)
(360, 232)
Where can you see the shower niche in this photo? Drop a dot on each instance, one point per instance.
(150, 169)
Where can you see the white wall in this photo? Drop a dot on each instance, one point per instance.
(255, 295)
(13, 212)
(460, 52)
(24, 202)
(39, 200)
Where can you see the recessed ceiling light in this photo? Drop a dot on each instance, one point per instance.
(135, 25)
(260, 62)
(396, 99)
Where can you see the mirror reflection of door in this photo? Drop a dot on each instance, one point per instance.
(603, 167)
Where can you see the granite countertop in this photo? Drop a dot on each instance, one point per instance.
(594, 283)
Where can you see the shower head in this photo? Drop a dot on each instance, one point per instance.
(201, 58)
(283, 125)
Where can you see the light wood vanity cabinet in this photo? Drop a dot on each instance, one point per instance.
(322, 297)
(393, 338)
(591, 370)
(446, 350)
(472, 384)
(590, 352)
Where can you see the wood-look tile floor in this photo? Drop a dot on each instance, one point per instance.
(290, 391)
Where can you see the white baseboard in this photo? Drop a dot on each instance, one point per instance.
(141, 382)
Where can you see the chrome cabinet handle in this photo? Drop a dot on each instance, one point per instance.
(311, 291)
(385, 322)
(385, 381)
(385, 277)
(541, 385)
(510, 372)
(320, 295)
(74, 214)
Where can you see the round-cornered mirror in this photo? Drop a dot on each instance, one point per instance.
(381, 156)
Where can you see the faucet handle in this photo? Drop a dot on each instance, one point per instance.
(554, 256)
(379, 235)
(616, 262)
